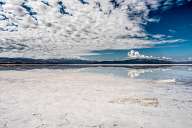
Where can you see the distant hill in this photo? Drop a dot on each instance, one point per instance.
(79, 61)
(137, 61)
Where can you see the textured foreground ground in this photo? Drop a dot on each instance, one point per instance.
(72, 99)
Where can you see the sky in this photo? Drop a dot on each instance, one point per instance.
(175, 24)
(96, 29)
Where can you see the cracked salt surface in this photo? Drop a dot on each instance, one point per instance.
(47, 98)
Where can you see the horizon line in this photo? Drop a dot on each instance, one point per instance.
(92, 65)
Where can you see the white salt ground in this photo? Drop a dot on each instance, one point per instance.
(46, 98)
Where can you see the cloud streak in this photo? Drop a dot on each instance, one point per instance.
(91, 25)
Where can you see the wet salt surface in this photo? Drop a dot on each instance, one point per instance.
(179, 74)
(94, 98)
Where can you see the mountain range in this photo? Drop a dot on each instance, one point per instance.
(81, 61)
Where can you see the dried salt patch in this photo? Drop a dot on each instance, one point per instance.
(147, 102)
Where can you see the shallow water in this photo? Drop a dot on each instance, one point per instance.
(180, 74)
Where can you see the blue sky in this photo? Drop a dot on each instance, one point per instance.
(111, 28)
(174, 24)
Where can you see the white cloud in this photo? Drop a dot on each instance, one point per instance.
(136, 55)
(169, 41)
(57, 36)
(133, 54)
(190, 58)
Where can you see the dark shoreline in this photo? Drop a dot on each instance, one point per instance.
(76, 66)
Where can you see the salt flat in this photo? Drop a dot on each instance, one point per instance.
(54, 98)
